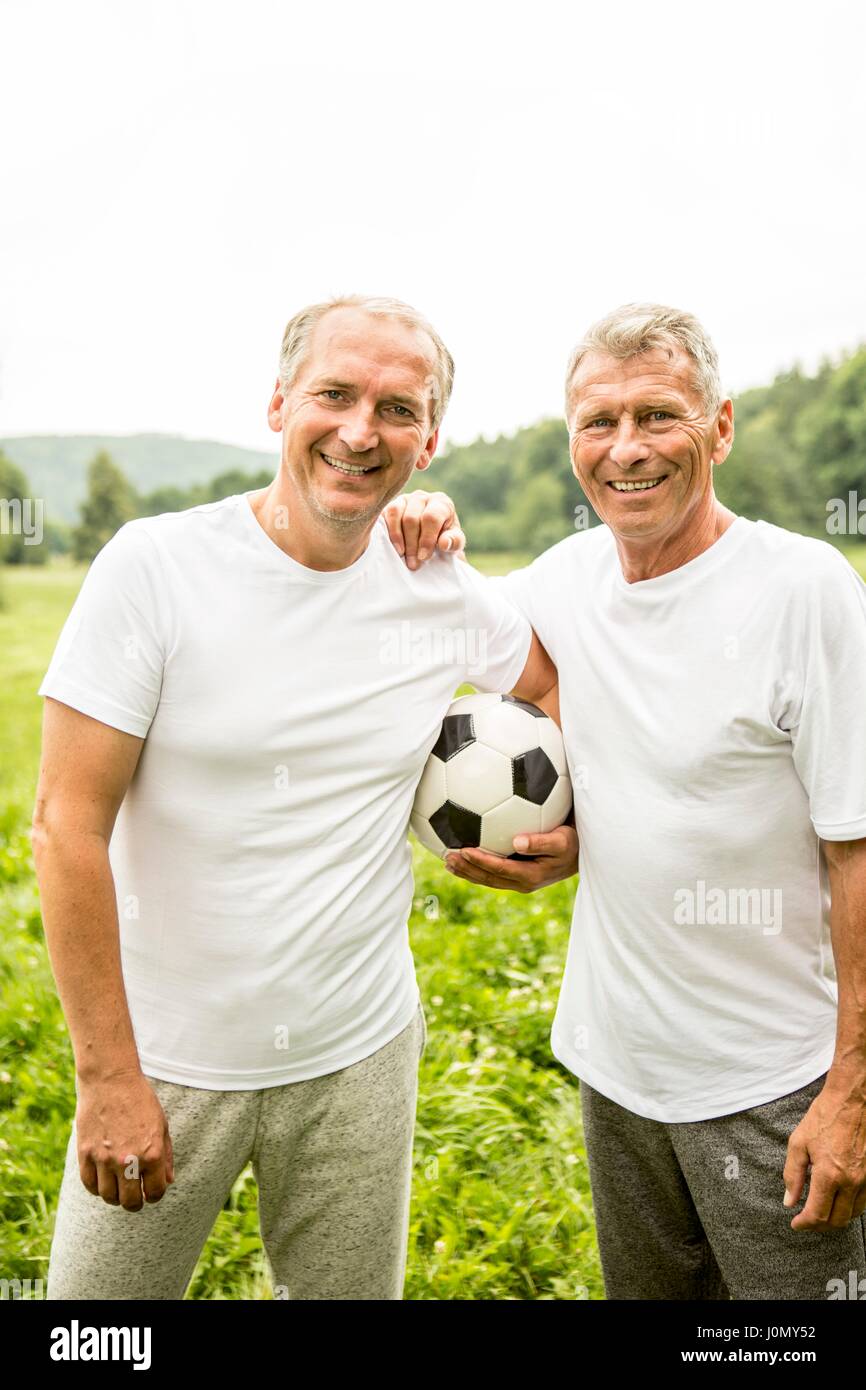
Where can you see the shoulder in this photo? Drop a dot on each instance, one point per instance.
(805, 575)
(581, 553)
(801, 560)
(148, 536)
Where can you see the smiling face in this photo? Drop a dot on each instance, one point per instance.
(356, 419)
(643, 445)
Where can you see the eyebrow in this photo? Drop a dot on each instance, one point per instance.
(330, 384)
(647, 404)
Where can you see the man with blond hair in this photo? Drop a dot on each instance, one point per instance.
(227, 707)
(712, 679)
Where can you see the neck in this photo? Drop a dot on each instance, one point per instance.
(311, 540)
(649, 558)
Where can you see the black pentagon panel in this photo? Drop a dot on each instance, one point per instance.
(456, 827)
(524, 704)
(457, 732)
(520, 856)
(534, 776)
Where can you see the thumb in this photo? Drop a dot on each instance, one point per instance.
(534, 844)
(795, 1172)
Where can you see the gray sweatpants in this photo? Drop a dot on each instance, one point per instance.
(694, 1210)
(332, 1158)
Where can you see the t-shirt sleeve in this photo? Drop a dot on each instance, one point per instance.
(517, 588)
(498, 637)
(826, 722)
(109, 658)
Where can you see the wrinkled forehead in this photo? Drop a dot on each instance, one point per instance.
(600, 374)
(353, 344)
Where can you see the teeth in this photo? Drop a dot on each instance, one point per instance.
(637, 487)
(351, 468)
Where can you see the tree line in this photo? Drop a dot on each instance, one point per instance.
(799, 452)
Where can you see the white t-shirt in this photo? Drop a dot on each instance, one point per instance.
(260, 855)
(714, 726)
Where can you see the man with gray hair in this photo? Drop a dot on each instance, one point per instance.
(712, 680)
(227, 706)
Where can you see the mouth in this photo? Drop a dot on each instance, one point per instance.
(639, 485)
(349, 470)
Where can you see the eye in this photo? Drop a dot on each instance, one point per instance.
(332, 394)
(599, 423)
(660, 414)
(403, 409)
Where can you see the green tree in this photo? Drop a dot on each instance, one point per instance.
(111, 501)
(536, 513)
(831, 434)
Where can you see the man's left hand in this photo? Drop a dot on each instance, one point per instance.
(832, 1137)
(555, 856)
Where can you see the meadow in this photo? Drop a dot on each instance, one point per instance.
(501, 1207)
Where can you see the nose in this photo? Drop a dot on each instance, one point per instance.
(358, 429)
(628, 446)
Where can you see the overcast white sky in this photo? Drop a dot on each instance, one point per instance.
(179, 177)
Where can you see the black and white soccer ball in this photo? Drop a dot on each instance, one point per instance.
(497, 770)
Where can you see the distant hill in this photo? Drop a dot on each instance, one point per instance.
(56, 465)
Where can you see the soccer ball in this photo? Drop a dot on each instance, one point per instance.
(496, 770)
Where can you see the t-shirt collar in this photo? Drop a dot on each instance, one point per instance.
(716, 554)
(286, 563)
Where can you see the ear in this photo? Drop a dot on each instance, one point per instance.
(724, 432)
(275, 409)
(427, 452)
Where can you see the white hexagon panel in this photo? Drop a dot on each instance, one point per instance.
(558, 804)
(514, 817)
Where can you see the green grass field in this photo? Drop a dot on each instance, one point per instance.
(501, 1206)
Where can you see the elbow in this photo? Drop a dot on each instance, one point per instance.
(38, 836)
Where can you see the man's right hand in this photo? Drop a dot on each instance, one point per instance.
(421, 522)
(124, 1147)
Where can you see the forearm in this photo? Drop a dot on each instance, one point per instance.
(848, 935)
(79, 914)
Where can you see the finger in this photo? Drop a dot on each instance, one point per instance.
(556, 842)
(154, 1180)
(89, 1176)
(842, 1209)
(461, 868)
(412, 514)
(510, 869)
(393, 515)
(816, 1213)
(129, 1192)
(107, 1180)
(438, 515)
(495, 872)
(452, 540)
(794, 1172)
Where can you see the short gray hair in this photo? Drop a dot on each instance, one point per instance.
(299, 330)
(635, 328)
